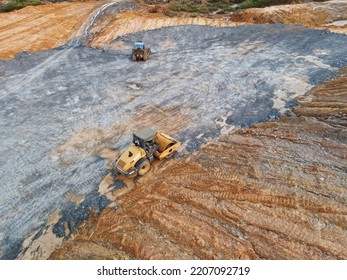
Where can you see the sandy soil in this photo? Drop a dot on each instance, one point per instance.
(276, 190)
(316, 15)
(310, 14)
(326, 103)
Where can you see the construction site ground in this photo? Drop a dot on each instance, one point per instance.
(259, 103)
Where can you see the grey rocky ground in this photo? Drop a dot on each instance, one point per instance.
(60, 108)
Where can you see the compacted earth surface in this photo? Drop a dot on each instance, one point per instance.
(259, 108)
(276, 190)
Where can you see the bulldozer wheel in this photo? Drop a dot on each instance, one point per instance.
(143, 166)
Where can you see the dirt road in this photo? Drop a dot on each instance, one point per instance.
(66, 112)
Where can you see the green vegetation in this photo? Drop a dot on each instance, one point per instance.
(218, 6)
(197, 7)
(18, 4)
(170, 13)
(263, 3)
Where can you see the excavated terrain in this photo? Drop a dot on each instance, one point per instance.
(327, 15)
(276, 190)
(308, 14)
(260, 110)
(42, 27)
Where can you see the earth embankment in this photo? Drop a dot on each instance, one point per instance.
(52, 25)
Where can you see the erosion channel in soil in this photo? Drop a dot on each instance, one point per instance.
(274, 191)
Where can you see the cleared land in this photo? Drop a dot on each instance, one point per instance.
(275, 190)
(42, 27)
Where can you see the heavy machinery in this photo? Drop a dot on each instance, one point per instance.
(140, 52)
(147, 145)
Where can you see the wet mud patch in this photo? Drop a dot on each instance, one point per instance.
(73, 215)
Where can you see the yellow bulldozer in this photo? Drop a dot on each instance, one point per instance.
(147, 144)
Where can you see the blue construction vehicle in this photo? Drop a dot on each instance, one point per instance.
(140, 52)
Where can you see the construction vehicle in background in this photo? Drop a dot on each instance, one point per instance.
(140, 52)
(147, 144)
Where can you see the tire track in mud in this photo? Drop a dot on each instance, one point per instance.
(293, 218)
(44, 177)
(296, 232)
(128, 22)
(225, 181)
(198, 237)
(127, 232)
(156, 212)
(35, 73)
